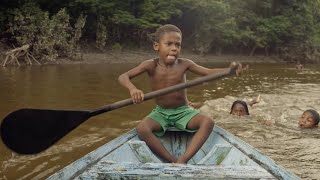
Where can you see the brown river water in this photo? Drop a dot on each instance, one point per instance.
(285, 94)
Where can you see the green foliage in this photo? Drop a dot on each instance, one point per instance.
(50, 38)
(289, 28)
(217, 29)
(116, 47)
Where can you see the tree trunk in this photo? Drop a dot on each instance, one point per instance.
(266, 50)
(253, 50)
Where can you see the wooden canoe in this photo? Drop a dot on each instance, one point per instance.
(223, 156)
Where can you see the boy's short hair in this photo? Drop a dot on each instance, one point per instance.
(315, 115)
(164, 29)
(243, 103)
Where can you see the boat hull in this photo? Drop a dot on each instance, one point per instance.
(223, 156)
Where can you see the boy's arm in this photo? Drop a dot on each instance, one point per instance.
(255, 101)
(124, 79)
(203, 71)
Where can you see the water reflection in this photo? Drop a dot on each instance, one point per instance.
(285, 92)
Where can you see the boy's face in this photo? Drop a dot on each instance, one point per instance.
(306, 120)
(238, 110)
(168, 47)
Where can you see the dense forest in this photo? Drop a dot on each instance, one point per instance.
(288, 29)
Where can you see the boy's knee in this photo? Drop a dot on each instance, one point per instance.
(143, 130)
(208, 122)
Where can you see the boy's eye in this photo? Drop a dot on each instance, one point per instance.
(310, 120)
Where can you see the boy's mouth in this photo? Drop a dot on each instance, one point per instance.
(301, 125)
(171, 57)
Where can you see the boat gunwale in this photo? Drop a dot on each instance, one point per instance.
(80, 165)
(253, 153)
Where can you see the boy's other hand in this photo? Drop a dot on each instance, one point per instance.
(237, 66)
(195, 105)
(136, 95)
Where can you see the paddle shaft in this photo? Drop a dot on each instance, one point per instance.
(163, 91)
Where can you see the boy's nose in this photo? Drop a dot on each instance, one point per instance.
(174, 47)
(302, 121)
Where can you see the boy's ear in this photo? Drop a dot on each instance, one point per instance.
(156, 46)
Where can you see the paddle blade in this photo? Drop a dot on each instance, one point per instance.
(30, 131)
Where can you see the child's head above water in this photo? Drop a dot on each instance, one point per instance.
(239, 108)
(309, 119)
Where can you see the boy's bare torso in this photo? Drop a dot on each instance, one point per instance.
(164, 76)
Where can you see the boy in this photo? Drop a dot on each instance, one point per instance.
(309, 119)
(172, 109)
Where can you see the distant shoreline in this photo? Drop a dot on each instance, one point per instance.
(139, 56)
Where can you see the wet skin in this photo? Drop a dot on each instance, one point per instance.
(164, 71)
(307, 121)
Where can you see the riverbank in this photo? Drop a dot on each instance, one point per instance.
(139, 55)
(130, 56)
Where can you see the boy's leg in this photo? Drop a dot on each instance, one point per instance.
(204, 124)
(145, 131)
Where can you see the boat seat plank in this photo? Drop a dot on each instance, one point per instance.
(142, 152)
(167, 171)
(216, 155)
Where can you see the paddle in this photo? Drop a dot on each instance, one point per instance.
(30, 131)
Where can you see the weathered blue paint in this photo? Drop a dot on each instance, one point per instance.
(223, 156)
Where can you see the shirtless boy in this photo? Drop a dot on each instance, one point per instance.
(172, 109)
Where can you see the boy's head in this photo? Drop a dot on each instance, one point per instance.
(309, 119)
(239, 108)
(167, 42)
(165, 29)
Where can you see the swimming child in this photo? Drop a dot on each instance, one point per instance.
(240, 107)
(171, 109)
(309, 119)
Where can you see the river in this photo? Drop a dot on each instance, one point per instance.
(285, 94)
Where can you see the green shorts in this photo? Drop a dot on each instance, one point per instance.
(177, 117)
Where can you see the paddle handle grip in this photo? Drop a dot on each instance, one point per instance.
(164, 91)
